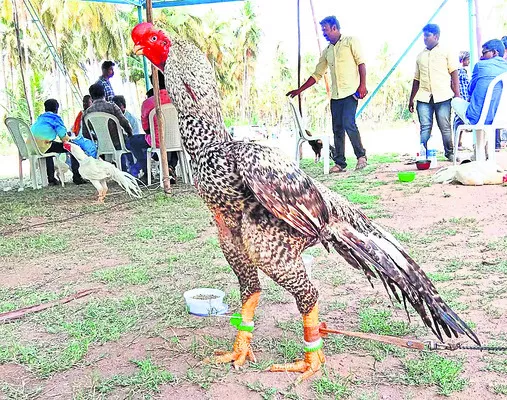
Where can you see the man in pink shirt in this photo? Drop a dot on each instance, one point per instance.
(138, 144)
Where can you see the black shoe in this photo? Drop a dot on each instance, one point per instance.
(78, 180)
(54, 182)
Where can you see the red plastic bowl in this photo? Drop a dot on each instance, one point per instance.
(423, 164)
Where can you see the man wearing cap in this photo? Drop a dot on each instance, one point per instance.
(488, 68)
(107, 73)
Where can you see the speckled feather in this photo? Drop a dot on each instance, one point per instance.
(268, 211)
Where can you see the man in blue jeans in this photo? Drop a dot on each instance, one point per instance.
(435, 84)
(346, 64)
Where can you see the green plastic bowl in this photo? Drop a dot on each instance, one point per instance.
(406, 176)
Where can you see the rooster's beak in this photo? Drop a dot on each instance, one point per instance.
(138, 50)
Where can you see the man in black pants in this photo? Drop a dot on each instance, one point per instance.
(46, 128)
(344, 58)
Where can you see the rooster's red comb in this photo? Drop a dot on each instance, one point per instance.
(140, 29)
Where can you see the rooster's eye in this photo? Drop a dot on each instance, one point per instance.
(153, 39)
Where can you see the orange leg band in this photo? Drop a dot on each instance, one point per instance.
(248, 309)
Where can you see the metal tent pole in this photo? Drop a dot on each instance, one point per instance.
(471, 38)
(397, 62)
(164, 166)
(145, 63)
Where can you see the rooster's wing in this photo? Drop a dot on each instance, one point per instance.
(94, 169)
(283, 189)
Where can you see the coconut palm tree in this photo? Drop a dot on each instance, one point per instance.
(248, 37)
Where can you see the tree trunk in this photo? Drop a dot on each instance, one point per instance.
(5, 97)
(26, 88)
(244, 97)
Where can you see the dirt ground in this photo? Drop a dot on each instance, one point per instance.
(458, 234)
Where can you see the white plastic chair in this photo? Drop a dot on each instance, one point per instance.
(98, 123)
(172, 143)
(483, 131)
(28, 150)
(304, 137)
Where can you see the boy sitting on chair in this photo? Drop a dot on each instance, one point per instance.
(46, 128)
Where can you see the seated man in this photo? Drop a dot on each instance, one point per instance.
(122, 104)
(99, 104)
(488, 68)
(139, 143)
(87, 145)
(46, 128)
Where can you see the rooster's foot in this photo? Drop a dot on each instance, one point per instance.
(309, 366)
(241, 351)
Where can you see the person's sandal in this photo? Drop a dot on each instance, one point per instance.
(337, 169)
(361, 163)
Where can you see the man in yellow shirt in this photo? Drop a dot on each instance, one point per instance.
(435, 83)
(345, 60)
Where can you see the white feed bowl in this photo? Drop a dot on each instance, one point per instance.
(205, 301)
(308, 261)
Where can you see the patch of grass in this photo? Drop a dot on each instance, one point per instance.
(123, 275)
(444, 232)
(148, 379)
(202, 347)
(43, 358)
(380, 322)
(451, 298)
(75, 330)
(439, 276)
(362, 198)
(32, 246)
(266, 393)
(337, 344)
(295, 326)
(500, 389)
(144, 233)
(406, 237)
(21, 392)
(274, 293)
(337, 305)
(432, 369)
(495, 364)
(452, 266)
(329, 385)
(500, 244)
(233, 298)
(368, 396)
(12, 299)
(493, 266)
(463, 221)
(205, 376)
(181, 233)
(289, 349)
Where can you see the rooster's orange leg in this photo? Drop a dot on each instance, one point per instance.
(314, 356)
(242, 348)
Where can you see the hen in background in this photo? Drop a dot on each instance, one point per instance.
(98, 172)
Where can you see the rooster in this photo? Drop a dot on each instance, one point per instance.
(268, 212)
(98, 172)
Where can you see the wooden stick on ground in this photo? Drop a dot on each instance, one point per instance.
(396, 341)
(17, 314)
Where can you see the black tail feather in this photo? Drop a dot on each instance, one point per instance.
(378, 252)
